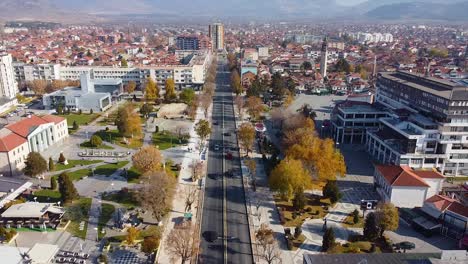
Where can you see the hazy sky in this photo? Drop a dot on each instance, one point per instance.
(349, 2)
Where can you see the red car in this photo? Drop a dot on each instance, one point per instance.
(229, 155)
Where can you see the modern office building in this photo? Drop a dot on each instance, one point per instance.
(8, 85)
(216, 33)
(33, 133)
(93, 94)
(429, 127)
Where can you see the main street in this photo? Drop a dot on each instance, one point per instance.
(224, 209)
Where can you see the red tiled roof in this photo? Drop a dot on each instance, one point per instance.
(429, 174)
(26, 126)
(10, 142)
(53, 118)
(440, 202)
(400, 176)
(458, 208)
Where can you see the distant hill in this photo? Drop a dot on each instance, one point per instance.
(92, 10)
(421, 10)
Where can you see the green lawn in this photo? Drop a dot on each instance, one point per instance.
(315, 208)
(348, 222)
(47, 195)
(167, 139)
(76, 175)
(88, 145)
(110, 168)
(106, 214)
(74, 163)
(133, 175)
(113, 136)
(125, 198)
(82, 119)
(354, 247)
(77, 212)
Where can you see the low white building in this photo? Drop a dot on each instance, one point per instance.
(33, 133)
(404, 187)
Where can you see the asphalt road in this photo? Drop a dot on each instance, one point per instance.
(224, 209)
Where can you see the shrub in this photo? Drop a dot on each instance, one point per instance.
(354, 249)
(355, 216)
(281, 217)
(62, 158)
(80, 111)
(91, 111)
(287, 231)
(53, 183)
(308, 209)
(290, 244)
(297, 231)
(95, 141)
(103, 258)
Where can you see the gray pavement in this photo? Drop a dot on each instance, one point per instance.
(224, 212)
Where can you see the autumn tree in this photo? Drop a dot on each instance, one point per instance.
(387, 217)
(236, 82)
(35, 164)
(66, 188)
(288, 177)
(252, 165)
(127, 122)
(246, 135)
(150, 244)
(130, 87)
(269, 250)
(239, 102)
(182, 243)
(254, 106)
(203, 130)
(123, 63)
(206, 100)
(132, 235)
(170, 90)
(151, 90)
(38, 86)
(148, 159)
(156, 193)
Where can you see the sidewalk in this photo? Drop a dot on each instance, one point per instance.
(185, 179)
(261, 206)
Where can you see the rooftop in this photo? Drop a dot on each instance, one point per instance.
(405, 176)
(31, 210)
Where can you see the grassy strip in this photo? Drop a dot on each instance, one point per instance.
(77, 212)
(107, 210)
(74, 163)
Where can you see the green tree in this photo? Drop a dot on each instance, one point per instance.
(75, 125)
(146, 109)
(95, 141)
(35, 164)
(203, 130)
(328, 241)
(342, 65)
(59, 109)
(288, 177)
(278, 87)
(371, 230)
(170, 90)
(256, 89)
(387, 217)
(66, 188)
(51, 164)
(151, 90)
(356, 216)
(306, 66)
(123, 63)
(299, 200)
(331, 191)
(187, 96)
(53, 183)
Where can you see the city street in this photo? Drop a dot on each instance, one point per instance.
(224, 210)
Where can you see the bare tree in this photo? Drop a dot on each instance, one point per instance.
(269, 250)
(197, 170)
(157, 192)
(180, 132)
(190, 193)
(206, 100)
(278, 116)
(239, 101)
(182, 243)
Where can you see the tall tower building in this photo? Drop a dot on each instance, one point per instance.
(324, 58)
(8, 86)
(216, 33)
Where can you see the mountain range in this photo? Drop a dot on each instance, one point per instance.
(83, 10)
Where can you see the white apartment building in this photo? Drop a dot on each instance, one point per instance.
(8, 85)
(191, 75)
(30, 72)
(32, 133)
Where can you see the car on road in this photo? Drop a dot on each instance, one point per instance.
(216, 147)
(227, 134)
(215, 123)
(229, 155)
